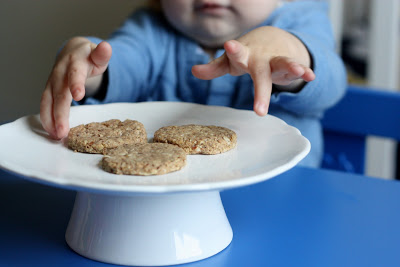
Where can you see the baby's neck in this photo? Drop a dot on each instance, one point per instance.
(210, 51)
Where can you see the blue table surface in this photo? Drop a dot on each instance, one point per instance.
(304, 217)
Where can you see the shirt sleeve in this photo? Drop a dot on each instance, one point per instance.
(309, 21)
(138, 50)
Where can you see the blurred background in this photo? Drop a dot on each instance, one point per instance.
(31, 34)
(367, 33)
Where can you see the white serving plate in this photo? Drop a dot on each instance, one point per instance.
(180, 207)
(267, 146)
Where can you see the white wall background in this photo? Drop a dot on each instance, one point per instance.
(31, 32)
(382, 57)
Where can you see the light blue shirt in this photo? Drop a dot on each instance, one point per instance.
(152, 62)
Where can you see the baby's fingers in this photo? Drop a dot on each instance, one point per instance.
(238, 55)
(77, 75)
(261, 76)
(61, 105)
(57, 89)
(233, 61)
(100, 57)
(54, 109)
(285, 71)
(46, 112)
(308, 75)
(55, 86)
(212, 70)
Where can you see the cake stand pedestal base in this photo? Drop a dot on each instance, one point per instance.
(148, 229)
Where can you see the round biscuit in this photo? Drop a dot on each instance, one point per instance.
(97, 136)
(144, 159)
(198, 139)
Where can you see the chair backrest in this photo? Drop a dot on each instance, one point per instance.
(362, 112)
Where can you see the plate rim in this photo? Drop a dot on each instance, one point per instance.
(159, 189)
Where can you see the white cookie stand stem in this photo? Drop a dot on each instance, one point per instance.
(148, 229)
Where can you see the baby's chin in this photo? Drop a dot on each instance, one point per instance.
(213, 39)
(212, 44)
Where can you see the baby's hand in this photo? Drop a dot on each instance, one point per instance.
(78, 61)
(270, 55)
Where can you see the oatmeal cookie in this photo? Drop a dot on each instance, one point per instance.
(97, 136)
(144, 159)
(198, 139)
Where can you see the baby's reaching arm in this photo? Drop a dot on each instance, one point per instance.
(77, 72)
(270, 55)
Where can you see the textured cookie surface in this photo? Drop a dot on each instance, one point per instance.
(97, 136)
(198, 139)
(144, 159)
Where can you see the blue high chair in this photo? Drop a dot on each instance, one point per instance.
(361, 113)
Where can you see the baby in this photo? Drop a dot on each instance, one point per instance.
(280, 59)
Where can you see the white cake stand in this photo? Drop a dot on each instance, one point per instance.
(157, 220)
